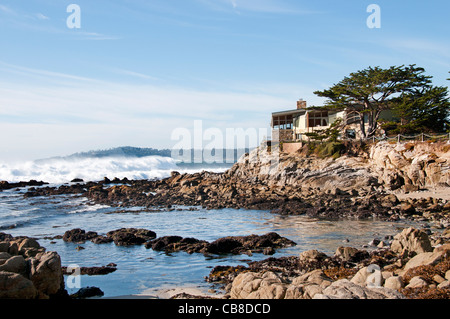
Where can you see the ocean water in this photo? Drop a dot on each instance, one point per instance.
(141, 270)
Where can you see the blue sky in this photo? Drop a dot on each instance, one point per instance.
(137, 69)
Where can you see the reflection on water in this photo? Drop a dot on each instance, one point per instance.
(141, 269)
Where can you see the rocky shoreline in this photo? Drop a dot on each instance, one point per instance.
(413, 264)
(355, 187)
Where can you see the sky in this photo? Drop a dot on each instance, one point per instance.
(134, 71)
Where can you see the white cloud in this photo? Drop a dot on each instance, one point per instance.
(63, 113)
(261, 6)
(41, 16)
(6, 9)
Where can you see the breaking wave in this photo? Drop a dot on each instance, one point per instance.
(62, 170)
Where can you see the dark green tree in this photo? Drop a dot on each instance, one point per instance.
(424, 110)
(368, 92)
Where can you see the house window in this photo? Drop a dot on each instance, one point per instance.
(284, 122)
(318, 119)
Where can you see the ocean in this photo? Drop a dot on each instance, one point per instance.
(141, 270)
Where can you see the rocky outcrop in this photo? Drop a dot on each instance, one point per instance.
(121, 237)
(356, 187)
(411, 165)
(348, 274)
(265, 244)
(28, 271)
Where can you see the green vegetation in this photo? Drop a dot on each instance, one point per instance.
(404, 90)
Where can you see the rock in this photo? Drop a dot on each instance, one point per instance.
(438, 279)
(381, 244)
(29, 248)
(88, 292)
(425, 259)
(345, 289)
(389, 201)
(374, 242)
(4, 256)
(444, 285)
(312, 255)
(268, 251)
(15, 286)
(316, 277)
(394, 282)
(447, 275)
(346, 253)
(30, 272)
(443, 248)
(46, 273)
(94, 271)
(407, 208)
(366, 275)
(410, 241)
(252, 285)
(131, 236)
(417, 282)
(28, 243)
(101, 240)
(78, 235)
(224, 245)
(15, 264)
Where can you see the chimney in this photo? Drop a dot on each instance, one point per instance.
(301, 104)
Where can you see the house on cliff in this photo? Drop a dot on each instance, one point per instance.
(292, 125)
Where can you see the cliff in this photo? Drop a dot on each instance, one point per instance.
(410, 166)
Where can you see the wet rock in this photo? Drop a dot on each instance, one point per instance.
(94, 271)
(131, 236)
(87, 292)
(225, 245)
(78, 235)
(101, 240)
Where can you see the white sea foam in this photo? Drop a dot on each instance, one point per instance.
(62, 170)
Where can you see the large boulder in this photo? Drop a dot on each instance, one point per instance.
(27, 271)
(46, 273)
(270, 285)
(15, 286)
(411, 241)
(251, 285)
(426, 259)
(345, 289)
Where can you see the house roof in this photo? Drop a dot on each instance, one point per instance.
(290, 112)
